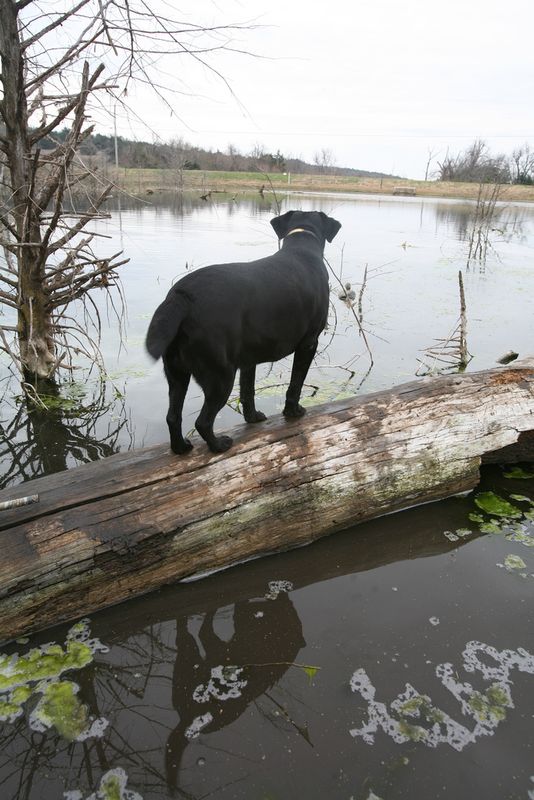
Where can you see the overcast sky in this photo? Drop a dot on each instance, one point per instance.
(377, 82)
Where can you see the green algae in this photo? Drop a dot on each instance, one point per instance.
(60, 708)
(495, 505)
(112, 787)
(491, 706)
(522, 498)
(518, 472)
(521, 535)
(46, 662)
(412, 706)
(420, 706)
(513, 562)
(493, 526)
(37, 673)
(413, 732)
(11, 706)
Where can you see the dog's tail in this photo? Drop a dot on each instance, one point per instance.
(165, 323)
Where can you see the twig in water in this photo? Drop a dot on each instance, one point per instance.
(355, 315)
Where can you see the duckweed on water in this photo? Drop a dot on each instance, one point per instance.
(513, 562)
(112, 787)
(38, 673)
(491, 706)
(481, 712)
(497, 506)
(46, 662)
(500, 517)
(60, 708)
(518, 472)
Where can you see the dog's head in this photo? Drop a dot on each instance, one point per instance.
(317, 222)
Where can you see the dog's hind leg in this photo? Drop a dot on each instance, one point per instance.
(247, 376)
(216, 385)
(178, 381)
(301, 363)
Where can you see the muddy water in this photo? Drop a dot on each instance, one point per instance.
(395, 660)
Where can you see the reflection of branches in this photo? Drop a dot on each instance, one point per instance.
(37, 441)
(483, 222)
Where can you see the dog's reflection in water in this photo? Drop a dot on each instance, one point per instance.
(214, 679)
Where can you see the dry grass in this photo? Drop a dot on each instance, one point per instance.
(148, 181)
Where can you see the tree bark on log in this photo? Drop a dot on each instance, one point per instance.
(118, 528)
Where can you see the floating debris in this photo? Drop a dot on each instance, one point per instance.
(413, 717)
(511, 355)
(225, 683)
(460, 533)
(198, 724)
(276, 587)
(348, 294)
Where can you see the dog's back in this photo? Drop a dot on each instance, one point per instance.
(257, 311)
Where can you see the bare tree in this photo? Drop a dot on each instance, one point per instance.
(324, 159)
(474, 164)
(522, 165)
(431, 156)
(49, 260)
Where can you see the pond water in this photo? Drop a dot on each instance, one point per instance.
(395, 660)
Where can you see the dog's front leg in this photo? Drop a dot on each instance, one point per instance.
(301, 363)
(247, 377)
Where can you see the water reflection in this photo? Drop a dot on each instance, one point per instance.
(185, 664)
(187, 203)
(69, 429)
(273, 678)
(218, 682)
(507, 223)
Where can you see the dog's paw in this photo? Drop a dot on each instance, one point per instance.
(256, 416)
(220, 444)
(294, 411)
(181, 446)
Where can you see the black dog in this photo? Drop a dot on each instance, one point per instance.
(227, 317)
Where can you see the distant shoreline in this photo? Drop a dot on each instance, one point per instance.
(150, 181)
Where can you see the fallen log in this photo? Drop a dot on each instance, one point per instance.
(118, 528)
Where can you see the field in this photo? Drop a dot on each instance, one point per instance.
(148, 181)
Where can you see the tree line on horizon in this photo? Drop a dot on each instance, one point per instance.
(181, 155)
(476, 164)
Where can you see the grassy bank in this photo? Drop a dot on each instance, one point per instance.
(148, 181)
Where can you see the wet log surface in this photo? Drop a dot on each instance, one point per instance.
(121, 527)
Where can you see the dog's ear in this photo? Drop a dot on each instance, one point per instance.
(281, 224)
(330, 226)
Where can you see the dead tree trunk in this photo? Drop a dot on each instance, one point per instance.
(111, 530)
(34, 324)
